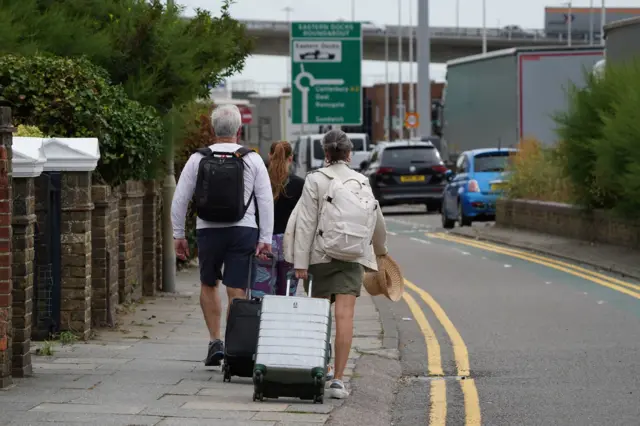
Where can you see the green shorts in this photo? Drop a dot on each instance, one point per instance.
(335, 277)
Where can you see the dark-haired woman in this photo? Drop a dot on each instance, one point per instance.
(287, 190)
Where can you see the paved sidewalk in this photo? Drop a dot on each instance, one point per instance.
(615, 259)
(149, 371)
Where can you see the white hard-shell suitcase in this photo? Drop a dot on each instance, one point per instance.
(293, 347)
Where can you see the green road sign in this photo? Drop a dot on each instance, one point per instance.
(326, 73)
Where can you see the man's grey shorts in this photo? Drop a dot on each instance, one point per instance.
(233, 247)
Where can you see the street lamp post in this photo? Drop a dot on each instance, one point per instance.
(591, 23)
(288, 11)
(603, 21)
(424, 61)
(569, 23)
(412, 102)
(387, 124)
(484, 26)
(400, 106)
(168, 189)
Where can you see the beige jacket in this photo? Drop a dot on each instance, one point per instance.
(299, 243)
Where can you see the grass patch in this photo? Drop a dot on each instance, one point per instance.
(46, 349)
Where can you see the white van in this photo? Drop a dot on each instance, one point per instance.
(308, 154)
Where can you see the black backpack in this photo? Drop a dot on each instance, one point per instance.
(219, 193)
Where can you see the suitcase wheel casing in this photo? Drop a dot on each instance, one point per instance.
(293, 348)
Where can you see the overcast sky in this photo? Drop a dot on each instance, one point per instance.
(272, 70)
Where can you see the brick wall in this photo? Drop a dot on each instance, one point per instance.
(131, 241)
(6, 207)
(23, 252)
(75, 230)
(568, 221)
(104, 263)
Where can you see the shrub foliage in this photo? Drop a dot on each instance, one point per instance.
(596, 163)
(74, 98)
(599, 140)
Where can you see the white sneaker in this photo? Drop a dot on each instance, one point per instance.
(337, 390)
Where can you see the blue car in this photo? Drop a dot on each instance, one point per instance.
(470, 195)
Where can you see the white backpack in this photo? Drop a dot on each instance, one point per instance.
(347, 218)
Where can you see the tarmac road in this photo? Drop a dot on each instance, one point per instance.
(495, 336)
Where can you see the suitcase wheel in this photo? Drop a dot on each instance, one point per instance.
(226, 373)
(258, 379)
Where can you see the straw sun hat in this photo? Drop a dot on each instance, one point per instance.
(388, 281)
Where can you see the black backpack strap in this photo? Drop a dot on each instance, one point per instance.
(205, 151)
(242, 151)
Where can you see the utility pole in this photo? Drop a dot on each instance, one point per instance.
(288, 11)
(400, 106)
(387, 120)
(412, 101)
(603, 22)
(168, 189)
(569, 24)
(591, 23)
(424, 61)
(484, 26)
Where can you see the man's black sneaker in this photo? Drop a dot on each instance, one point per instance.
(215, 354)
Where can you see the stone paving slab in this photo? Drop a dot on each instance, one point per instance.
(149, 371)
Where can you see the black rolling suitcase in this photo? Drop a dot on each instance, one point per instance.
(241, 334)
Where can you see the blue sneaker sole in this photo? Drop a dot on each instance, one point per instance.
(215, 360)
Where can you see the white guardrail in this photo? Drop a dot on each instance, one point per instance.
(436, 32)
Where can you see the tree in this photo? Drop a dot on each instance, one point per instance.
(161, 58)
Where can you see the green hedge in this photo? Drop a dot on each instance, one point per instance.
(600, 140)
(74, 98)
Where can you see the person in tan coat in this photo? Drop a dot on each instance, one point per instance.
(337, 280)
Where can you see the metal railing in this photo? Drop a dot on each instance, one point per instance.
(436, 32)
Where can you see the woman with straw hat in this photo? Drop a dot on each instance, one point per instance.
(337, 280)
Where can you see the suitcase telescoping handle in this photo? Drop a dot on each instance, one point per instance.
(292, 276)
(252, 259)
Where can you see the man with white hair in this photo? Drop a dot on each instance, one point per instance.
(233, 242)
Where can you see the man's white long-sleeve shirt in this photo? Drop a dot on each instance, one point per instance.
(256, 180)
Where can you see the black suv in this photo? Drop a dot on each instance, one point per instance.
(406, 172)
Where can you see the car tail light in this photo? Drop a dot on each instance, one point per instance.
(384, 170)
(439, 169)
(473, 186)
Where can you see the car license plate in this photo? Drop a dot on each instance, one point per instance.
(412, 178)
(498, 186)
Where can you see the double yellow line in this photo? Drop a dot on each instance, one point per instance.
(438, 405)
(612, 283)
